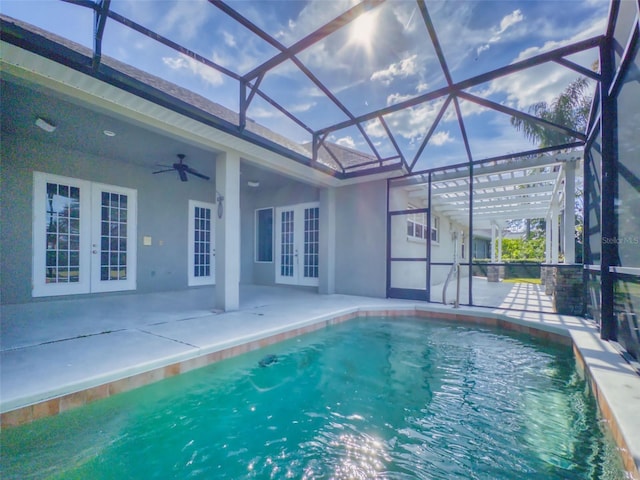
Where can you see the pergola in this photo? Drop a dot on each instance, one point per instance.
(534, 188)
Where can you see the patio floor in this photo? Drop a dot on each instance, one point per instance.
(517, 296)
(50, 349)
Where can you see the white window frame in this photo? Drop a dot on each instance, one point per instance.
(417, 219)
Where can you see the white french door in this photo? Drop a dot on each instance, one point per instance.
(297, 244)
(201, 250)
(84, 236)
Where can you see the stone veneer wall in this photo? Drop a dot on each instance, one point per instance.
(568, 290)
(495, 273)
(548, 279)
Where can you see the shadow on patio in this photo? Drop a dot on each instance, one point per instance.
(503, 295)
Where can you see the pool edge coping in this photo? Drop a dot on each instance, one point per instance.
(594, 357)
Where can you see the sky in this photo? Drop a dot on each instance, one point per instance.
(381, 59)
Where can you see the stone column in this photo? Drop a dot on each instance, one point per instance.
(228, 231)
(568, 296)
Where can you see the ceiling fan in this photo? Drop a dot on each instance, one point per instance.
(182, 169)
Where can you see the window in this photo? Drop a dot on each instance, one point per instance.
(264, 235)
(435, 228)
(417, 224)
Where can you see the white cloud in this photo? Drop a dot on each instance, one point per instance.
(301, 107)
(183, 62)
(469, 108)
(403, 69)
(440, 138)
(506, 22)
(311, 91)
(237, 61)
(261, 113)
(509, 20)
(411, 124)
(312, 16)
(544, 82)
(422, 87)
(394, 98)
(482, 48)
(229, 39)
(375, 130)
(346, 142)
(186, 18)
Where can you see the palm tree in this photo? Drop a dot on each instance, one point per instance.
(570, 109)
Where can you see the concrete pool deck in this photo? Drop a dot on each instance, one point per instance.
(60, 354)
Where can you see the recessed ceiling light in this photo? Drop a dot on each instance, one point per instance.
(253, 183)
(44, 125)
(109, 133)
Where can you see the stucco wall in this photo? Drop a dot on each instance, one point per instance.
(361, 239)
(412, 274)
(161, 216)
(262, 273)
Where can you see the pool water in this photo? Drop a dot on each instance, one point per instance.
(370, 398)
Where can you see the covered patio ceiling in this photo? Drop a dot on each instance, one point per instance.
(451, 88)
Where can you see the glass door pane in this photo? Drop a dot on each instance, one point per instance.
(113, 239)
(311, 242)
(298, 244)
(285, 241)
(201, 254)
(60, 235)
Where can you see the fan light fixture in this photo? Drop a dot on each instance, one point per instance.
(182, 169)
(44, 125)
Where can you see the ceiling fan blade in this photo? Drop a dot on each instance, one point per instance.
(162, 171)
(183, 175)
(197, 174)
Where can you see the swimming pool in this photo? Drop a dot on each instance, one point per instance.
(369, 398)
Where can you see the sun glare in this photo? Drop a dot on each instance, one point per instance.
(363, 30)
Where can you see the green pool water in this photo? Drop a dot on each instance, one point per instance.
(375, 398)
